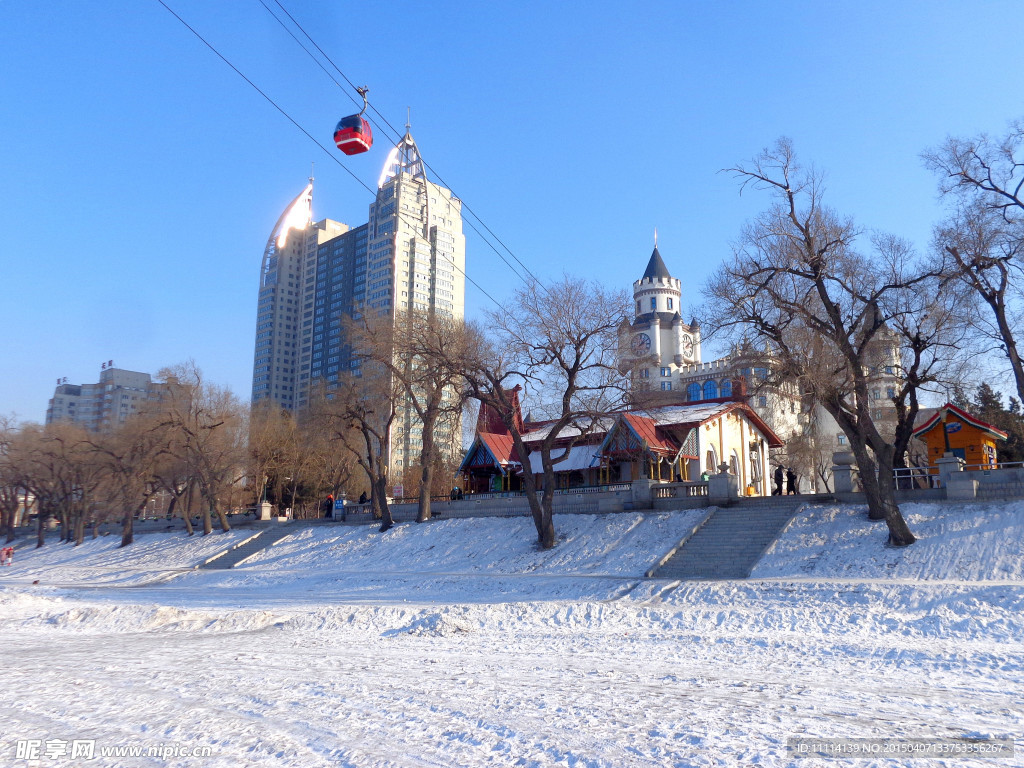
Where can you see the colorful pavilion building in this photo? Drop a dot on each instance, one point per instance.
(668, 443)
(953, 430)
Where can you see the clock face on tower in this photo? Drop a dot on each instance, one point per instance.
(641, 344)
(687, 346)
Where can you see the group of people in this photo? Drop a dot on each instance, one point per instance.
(785, 482)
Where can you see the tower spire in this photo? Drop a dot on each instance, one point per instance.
(655, 237)
(408, 119)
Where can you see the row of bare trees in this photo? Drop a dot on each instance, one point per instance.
(188, 445)
(828, 312)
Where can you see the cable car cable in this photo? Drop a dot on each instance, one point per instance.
(294, 122)
(397, 134)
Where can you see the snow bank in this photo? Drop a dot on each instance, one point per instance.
(968, 542)
(104, 561)
(624, 544)
(310, 656)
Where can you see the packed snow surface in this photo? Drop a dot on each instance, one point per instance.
(458, 643)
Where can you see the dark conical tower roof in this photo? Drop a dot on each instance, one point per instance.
(656, 267)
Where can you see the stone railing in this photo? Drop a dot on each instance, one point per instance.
(680, 490)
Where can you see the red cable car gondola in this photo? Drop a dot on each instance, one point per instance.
(352, 134)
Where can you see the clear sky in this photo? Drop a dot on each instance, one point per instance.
(141, 176)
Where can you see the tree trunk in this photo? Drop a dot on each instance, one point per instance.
(222, 519)
(380, 490)
(79, 528)
(426, 479)
(1006, 331)
(40, 529)
(9, 524)
(128, 528)
(899, 531)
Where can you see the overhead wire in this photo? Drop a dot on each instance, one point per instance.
(293, 121)
(398, 135)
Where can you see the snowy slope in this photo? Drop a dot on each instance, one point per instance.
(104, 561)
(327, 650)
(973, 542)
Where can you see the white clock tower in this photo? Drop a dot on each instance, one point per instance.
(657, 339)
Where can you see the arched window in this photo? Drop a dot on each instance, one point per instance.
(693, 392)
(710, 390)
(727, 388)
(711, 461)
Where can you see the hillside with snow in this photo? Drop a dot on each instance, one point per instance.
(459, 643)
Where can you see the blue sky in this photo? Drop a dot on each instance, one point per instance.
(142, 176)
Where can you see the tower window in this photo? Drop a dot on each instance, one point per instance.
(654, 303)
(638, 308)
(670, 303)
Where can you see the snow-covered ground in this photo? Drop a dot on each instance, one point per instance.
(457, 643)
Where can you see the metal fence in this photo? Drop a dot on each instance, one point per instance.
(907, 478)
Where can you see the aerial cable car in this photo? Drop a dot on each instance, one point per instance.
(352, 134)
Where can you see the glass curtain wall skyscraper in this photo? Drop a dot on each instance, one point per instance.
(410, 255)
(416, 262)
(290, 254)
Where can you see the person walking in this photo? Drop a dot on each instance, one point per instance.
(780, 475)
(791, 482)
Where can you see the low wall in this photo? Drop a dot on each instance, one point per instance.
(508, 505)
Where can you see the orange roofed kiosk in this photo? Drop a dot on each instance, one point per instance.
(953, 430)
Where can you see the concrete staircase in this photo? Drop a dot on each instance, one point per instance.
(232, 557)
(732, 539)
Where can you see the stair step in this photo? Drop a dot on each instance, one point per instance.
(730, 542)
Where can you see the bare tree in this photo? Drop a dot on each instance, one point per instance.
(361, 411)
(830, 314)
(61, 470)
(128, 458)
(560, 341)
(12, 478)
(982, 242)
(412, 347)
(205, 425)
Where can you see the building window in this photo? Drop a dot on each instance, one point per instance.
(638, 307)
(726, 389)
(710, 390)
(841, 439)
(888, 369)
(876, 394)
(670, 303)
(666, 385)
(644, 373)
(762, 401)
(693, 391)
(666, 371)
(654, 303)
(890, 393)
